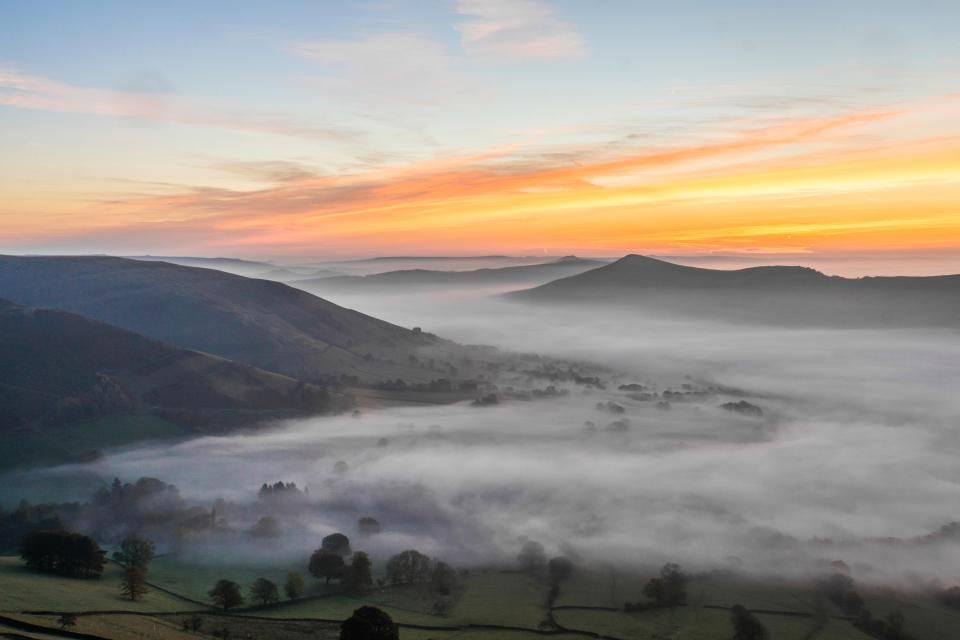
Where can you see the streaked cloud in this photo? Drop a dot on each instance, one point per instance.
(516, 29)
(788, 186)
(151, 100)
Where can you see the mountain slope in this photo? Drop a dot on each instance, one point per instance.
(776, 294)
(388, 282)
(59, 367)
(258, 322)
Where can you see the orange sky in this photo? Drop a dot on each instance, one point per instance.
(852, 181)
(863, 180)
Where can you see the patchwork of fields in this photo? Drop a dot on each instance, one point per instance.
(494, 604)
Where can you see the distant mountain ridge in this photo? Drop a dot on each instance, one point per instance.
(59, 367)
(257, 322)
(789, 295)
(519, 275)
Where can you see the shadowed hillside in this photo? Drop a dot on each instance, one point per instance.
(258, 322)
(775, 294)
(59, 367)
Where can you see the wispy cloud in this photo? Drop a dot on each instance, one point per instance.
(516, 29)
(388, 70)
(22, 90)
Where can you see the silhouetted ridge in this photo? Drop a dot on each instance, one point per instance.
(789, 295)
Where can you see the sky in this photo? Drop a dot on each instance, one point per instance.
(778, 131)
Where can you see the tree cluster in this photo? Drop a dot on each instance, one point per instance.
(63, 552)
(408, 567)
(669, 589)
(278, 489)
(841, 591)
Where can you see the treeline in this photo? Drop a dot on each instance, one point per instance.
(115, 512)
(439, 385)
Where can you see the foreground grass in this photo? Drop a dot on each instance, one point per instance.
(23, 589)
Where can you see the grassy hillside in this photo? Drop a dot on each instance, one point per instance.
(76, 441)
(63, 367)
(257, 322)
(22, 589)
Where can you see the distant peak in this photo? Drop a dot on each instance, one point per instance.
(635, 259)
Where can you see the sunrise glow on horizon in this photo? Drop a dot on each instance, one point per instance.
(478, 127)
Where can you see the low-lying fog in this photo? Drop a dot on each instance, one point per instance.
(858, 440)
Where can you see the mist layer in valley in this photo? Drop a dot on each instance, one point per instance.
(853, 456)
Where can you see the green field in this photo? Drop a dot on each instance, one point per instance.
(506, 599)
(194, 581)
(22, 589)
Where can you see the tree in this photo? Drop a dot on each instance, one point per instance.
(745, 625)
(368, 526)
(135, 552)
(264, 591)
(532, 557)
(359, 574)
(266, 527)
(324, 564)
(67, 620)
(408, 567)
(369, 623)
(133, 584)
(294, 585)
(560, 568)
(226, 594)
(337, 544)
(443, 578)
(670, 589)
(895, 625)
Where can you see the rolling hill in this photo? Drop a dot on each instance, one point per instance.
(258, 322)
(60, 367)
(404, 280)
(784, 295)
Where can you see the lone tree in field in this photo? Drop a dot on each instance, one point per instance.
(337, 544)
(746, 626)
(324, 564)
(532, 557)
(264, 591)
(133, 584)
(369, 623)
(226, 594)
(135, 552)
(408, 567)
(294, 585)
(359, 574)
(670, 589)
